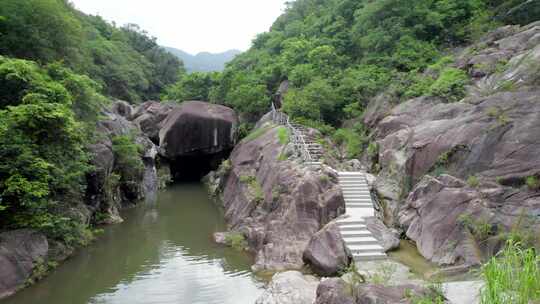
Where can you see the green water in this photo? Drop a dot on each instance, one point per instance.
(162, 253)
(408, 255)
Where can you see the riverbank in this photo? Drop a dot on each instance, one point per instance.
(162, 252)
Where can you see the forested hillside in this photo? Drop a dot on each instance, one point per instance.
(125, 61)
(58, 70)
(338, 54)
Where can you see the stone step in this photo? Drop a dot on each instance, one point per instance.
(352, 182)
(355, 191)
(353, 228)
(360, 233)
(349, 206)
(366, 240)
(365, 248)
(350, 221)
(358, 200)
(369, 256)
(356, 196)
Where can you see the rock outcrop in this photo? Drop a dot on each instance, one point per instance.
(337, 291)
(326, 252)
(197, 127)
(20, 252)
(278, 205)
(102, 196)
(290, 287)
(188, 128)
(487, 144)
(334, 291)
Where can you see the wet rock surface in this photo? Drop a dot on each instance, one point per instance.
(20, 252)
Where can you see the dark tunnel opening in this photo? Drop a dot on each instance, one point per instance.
(191, 168)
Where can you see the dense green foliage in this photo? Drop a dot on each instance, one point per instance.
(338, 54)
(56, 67)
(194, 86)
(126, 62)
(42, 158)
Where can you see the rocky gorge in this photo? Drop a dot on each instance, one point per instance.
(456, 178)
(190, 138)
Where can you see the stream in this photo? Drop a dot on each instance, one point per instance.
(162, 253)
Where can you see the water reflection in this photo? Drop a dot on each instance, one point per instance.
(162, 253)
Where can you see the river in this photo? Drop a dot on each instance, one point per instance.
(162, 253)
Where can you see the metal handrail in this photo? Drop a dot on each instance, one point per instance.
(299, 142)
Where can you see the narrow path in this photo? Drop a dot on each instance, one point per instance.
(358, 205)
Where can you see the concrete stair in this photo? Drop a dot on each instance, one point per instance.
(360, 241)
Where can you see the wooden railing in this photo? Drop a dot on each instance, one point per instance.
(297, 138)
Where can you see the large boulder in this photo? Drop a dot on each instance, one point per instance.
(290, 287)
(380, 294)
(20, 252)
(198, 127)
(326, 252)
(334, 291)
(277, 204)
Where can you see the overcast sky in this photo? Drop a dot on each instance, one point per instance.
(192, 25)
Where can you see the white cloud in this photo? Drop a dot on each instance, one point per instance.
(192, 25)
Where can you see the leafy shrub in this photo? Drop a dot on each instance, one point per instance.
(350, 140)
(473, 181)
(532, 182)
(283, 135)
(450, 85)
(236, 240)
(128, 161)
(255, 187)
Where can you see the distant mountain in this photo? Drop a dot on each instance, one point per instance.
(204, 62)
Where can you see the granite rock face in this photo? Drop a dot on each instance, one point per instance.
(486, 144)
(277, 204)
(20, 252)
(100, 197)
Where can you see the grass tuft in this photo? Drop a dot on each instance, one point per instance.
(513, 277)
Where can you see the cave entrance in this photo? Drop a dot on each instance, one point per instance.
(190, 168)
